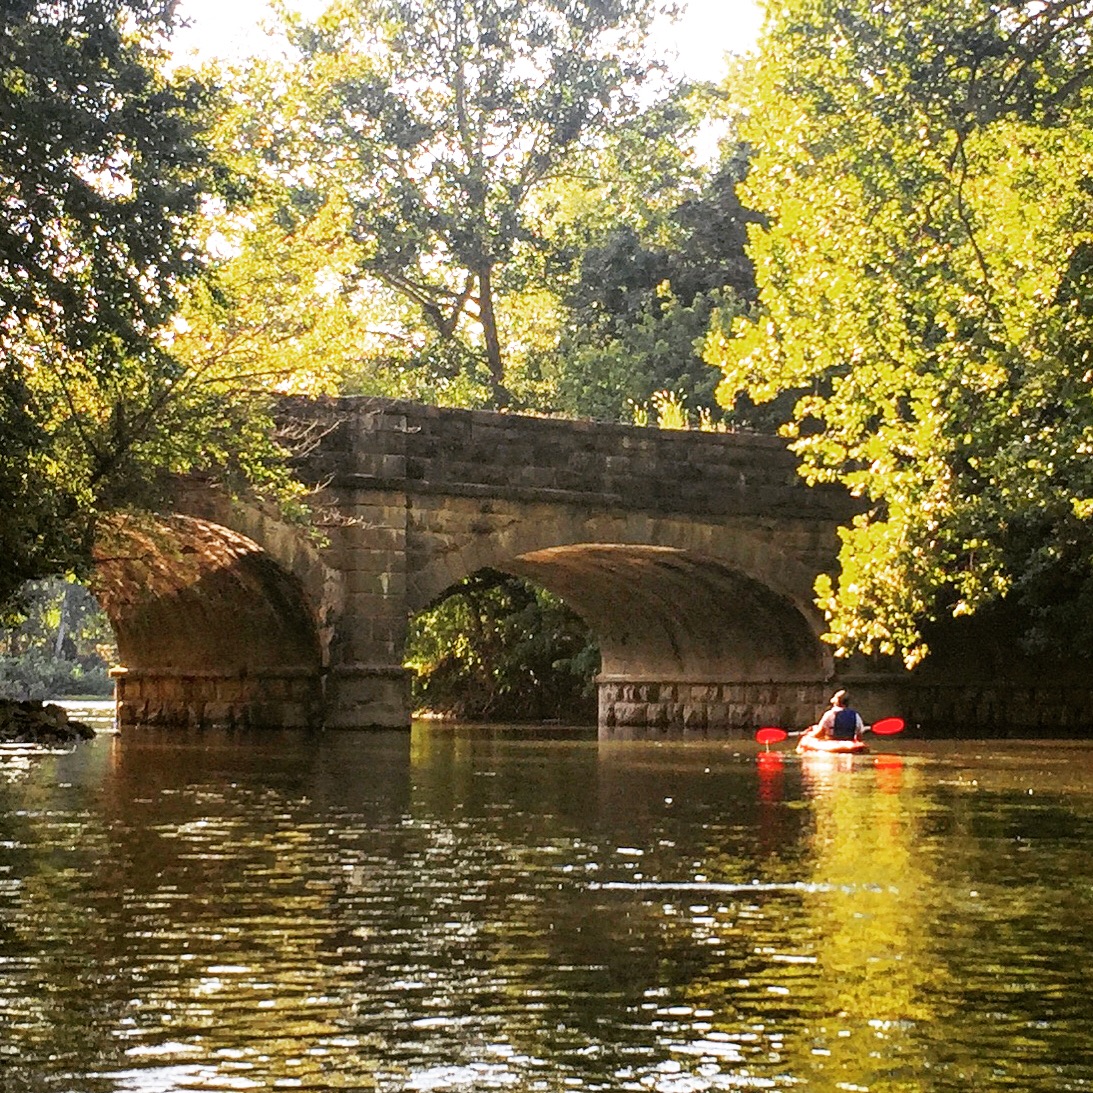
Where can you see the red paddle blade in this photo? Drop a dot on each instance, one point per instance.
(888, 726)
(770, 735)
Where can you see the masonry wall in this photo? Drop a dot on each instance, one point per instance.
(413, 498)
(182, 698)
(386, 443)
(423, 496)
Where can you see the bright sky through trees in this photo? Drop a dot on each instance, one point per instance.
(707, 30)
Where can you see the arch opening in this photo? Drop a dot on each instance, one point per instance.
(497, 647)
(687, 642)
(210, 629)
(664, 613)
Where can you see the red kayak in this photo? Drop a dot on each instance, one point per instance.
(832, 747)
(771, 734)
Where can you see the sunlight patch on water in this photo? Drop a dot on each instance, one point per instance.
(705, 886)
(475, 1076)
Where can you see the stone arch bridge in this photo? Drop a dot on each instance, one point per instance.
(691, 555)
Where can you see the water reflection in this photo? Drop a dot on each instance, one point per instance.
(867, 934)
(507, 909)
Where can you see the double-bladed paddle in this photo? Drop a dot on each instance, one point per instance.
(887, 726)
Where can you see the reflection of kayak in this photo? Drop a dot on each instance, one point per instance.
(832, 747)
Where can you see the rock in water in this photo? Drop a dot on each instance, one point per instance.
(39, 723)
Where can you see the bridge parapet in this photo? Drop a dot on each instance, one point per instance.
(374, 443)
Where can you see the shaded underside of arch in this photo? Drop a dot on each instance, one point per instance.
(667, 614)
(187, 594)
(209, 628)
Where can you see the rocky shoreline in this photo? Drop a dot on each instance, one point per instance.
(39, 723)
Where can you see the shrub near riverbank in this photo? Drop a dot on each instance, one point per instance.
(39, 723)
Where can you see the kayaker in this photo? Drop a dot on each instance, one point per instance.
(839, 722)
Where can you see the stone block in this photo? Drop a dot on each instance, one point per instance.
(742, 715)
(220, 714)
(281, 688)
(363, 558)
(695, 717)
(390, 538)
(293, 715)
(717, 716)
(368, 699)
(370, 582)
(631, 713)
(130, 713)
(226, 688)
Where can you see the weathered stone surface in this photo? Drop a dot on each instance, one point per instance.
(203, 699)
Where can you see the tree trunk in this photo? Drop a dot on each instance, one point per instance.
(62, 626)
(489, 331)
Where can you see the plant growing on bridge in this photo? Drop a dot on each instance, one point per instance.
(925, 282)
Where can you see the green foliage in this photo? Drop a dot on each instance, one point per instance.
(498, 648)
(441, 124)
(643, 301)
(58, 645)
(103, 174)
(602, 377)
(670, 411)
(925, 171)
(357, 264)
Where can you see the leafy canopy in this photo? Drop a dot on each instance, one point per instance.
(926, 170)
(441, 122)
(647, 286)
(103, 173)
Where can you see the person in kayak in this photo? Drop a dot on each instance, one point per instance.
(840, 722)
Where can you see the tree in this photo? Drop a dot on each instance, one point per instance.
(645, 293)
(102, 176)
(926, 170)
(288, 299)
(442, 121)
(63, 646)
(496, 647)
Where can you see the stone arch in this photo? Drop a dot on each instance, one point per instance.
(661, 613)
(210, 628)
(761, 552)
(668, 599)
(291, 547)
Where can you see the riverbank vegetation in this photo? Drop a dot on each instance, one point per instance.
(496, 648)
(925, 172)
(62, 648)
(105, 172)
(501, 205)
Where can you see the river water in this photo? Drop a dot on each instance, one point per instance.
(533, 909)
